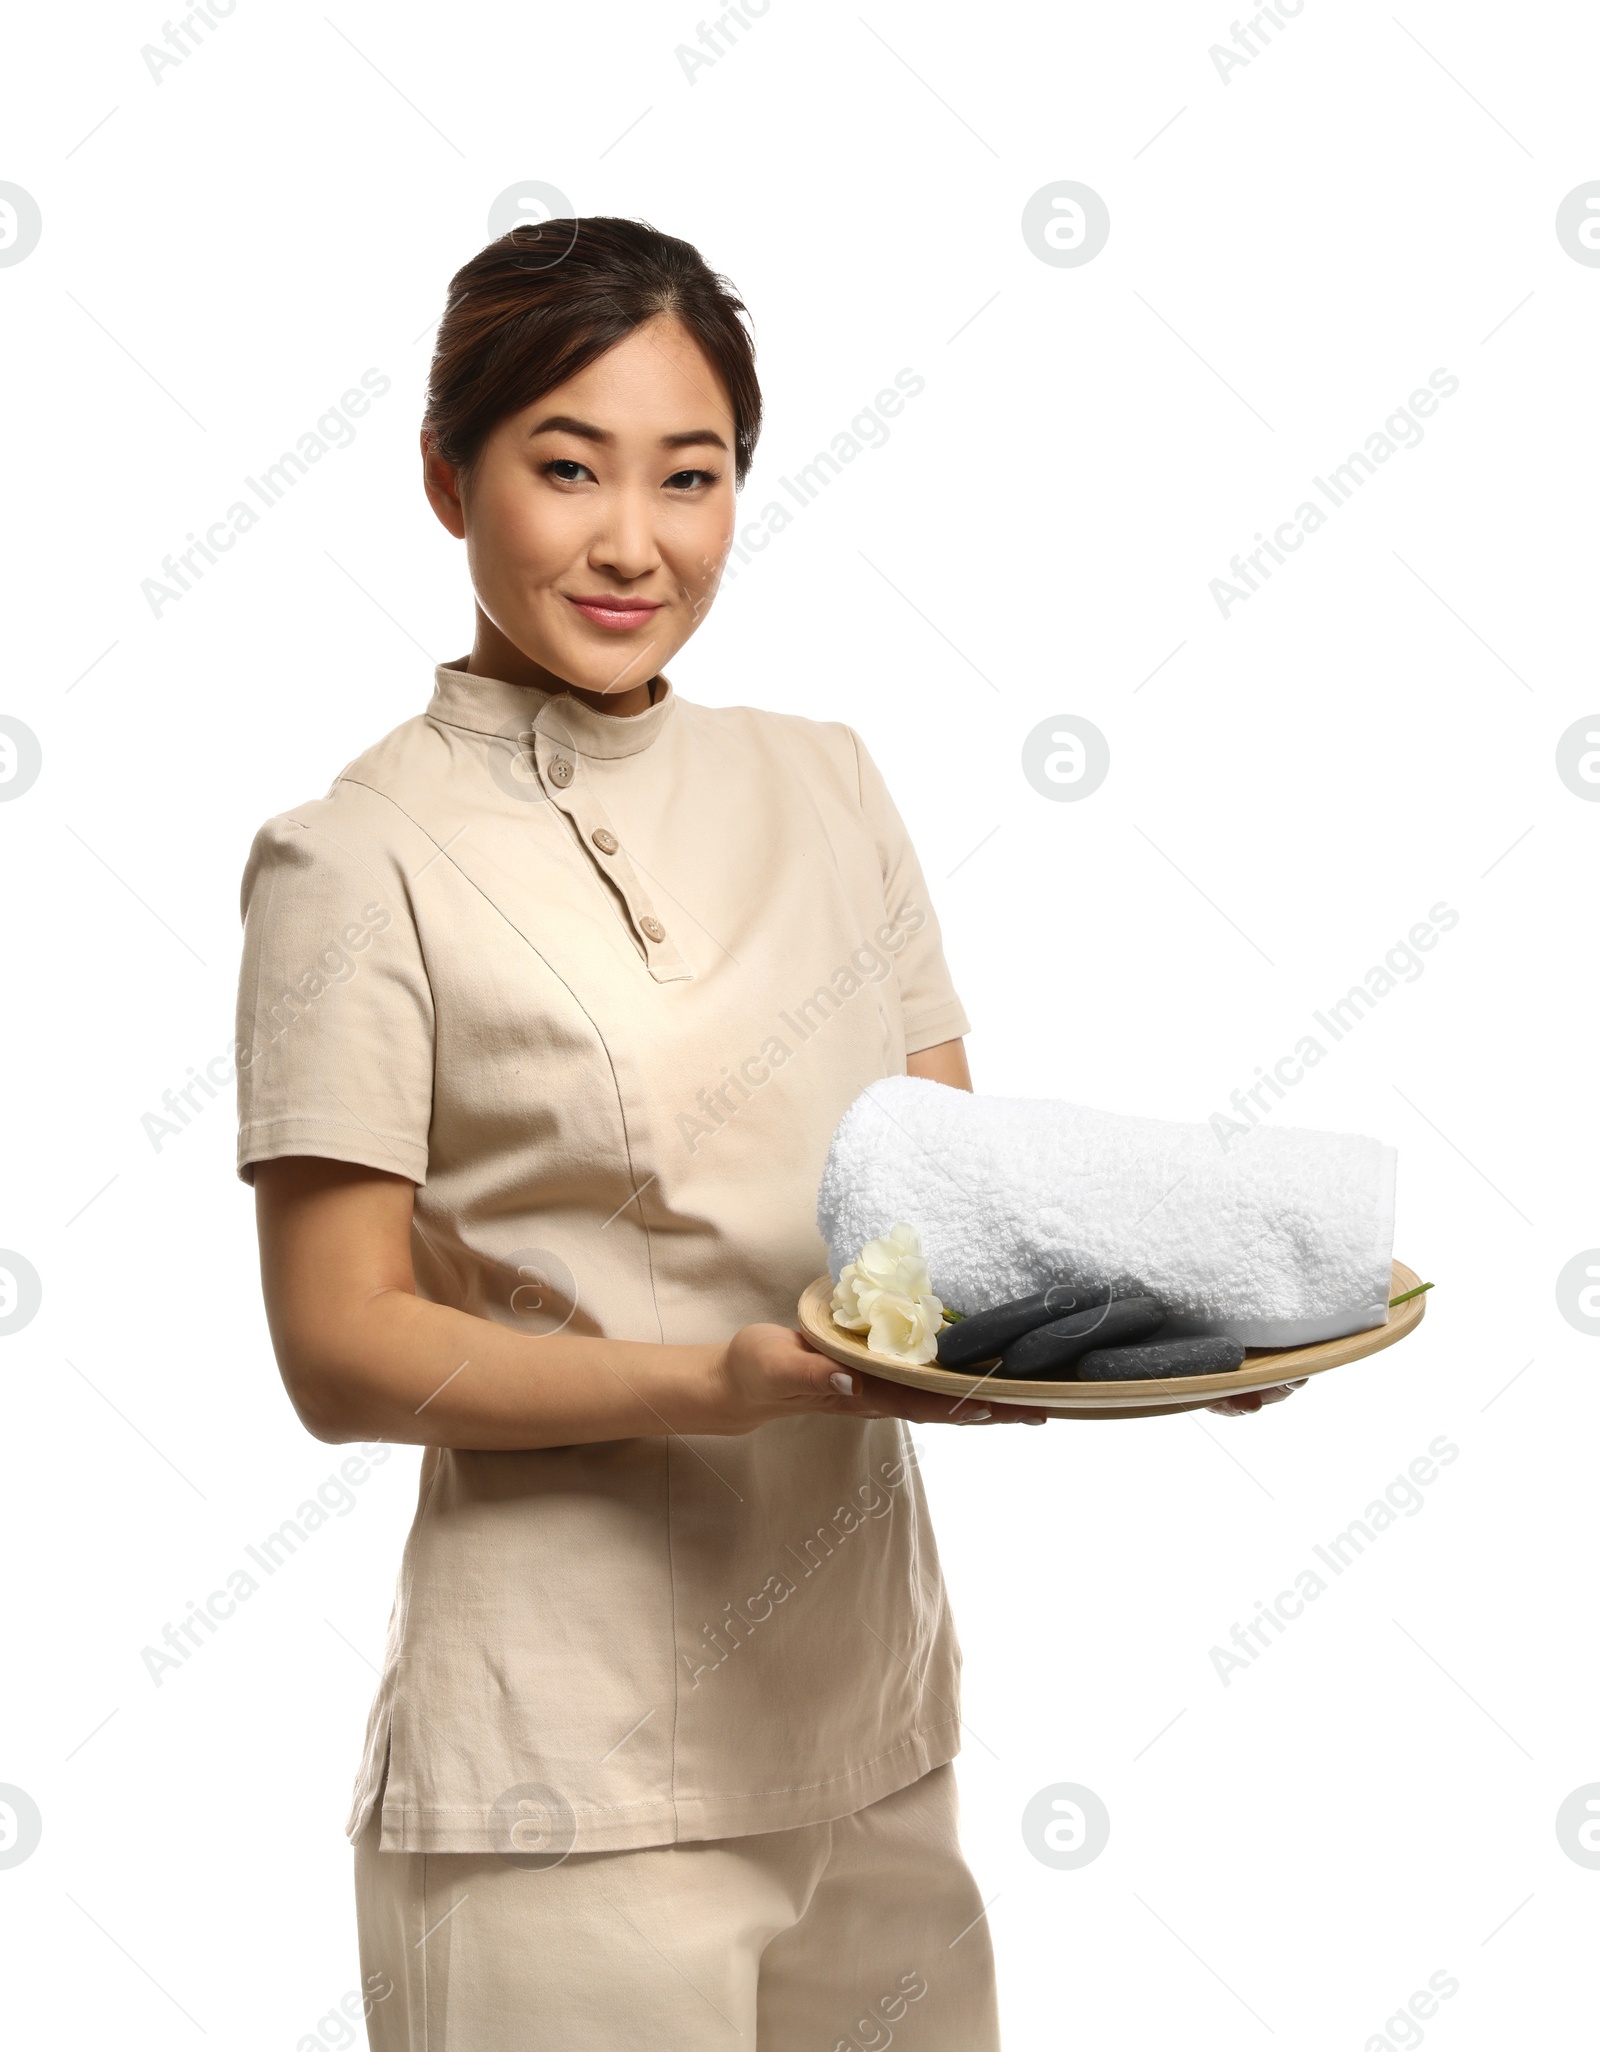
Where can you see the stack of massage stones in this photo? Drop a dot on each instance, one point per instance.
(1082, 1332)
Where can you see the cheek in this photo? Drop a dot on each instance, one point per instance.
(519, 535)
(696, 541)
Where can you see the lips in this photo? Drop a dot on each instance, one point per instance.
(616, 613)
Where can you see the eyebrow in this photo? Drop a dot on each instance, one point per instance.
(563, 423)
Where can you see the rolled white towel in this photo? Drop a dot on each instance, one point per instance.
(1281, 1240)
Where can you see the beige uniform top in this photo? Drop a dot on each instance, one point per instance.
(601, 987)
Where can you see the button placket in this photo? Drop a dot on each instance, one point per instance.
(560, 769)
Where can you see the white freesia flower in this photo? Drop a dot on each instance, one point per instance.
(887, 1293)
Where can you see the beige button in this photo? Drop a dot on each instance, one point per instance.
(651, 928)
(561, 771)
(605, 840)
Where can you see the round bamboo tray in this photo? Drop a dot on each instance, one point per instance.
(1263, 1368)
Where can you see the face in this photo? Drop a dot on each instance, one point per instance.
(597, 520)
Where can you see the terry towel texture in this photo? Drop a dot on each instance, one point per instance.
(1282, 1239)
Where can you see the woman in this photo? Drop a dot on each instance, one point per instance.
(548, 1011)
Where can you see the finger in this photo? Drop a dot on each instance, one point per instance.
(872, 1396)
(857, 1394)
(1282, 1390)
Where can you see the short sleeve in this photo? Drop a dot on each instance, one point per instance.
(929, 1005)
(335, 1015)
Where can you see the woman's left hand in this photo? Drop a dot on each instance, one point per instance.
(1252, 1399)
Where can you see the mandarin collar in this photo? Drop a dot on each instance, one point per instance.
(489, 705)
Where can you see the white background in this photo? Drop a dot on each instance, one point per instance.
(1291, 788)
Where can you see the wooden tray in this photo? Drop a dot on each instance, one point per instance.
(1159, 1398)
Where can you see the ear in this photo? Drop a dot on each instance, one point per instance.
(441, 482)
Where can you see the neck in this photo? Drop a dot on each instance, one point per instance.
(494, 656)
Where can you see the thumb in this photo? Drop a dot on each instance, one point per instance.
(819, 1374)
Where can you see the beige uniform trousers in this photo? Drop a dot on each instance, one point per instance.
(836, 1937)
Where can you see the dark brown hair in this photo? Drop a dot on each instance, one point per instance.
(538, 306)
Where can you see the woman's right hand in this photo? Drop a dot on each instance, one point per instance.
(772, 1371)
(365, 1358)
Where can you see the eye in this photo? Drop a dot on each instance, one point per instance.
(565, 471)
(690, 480)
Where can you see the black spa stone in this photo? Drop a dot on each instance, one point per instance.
(987, 1333)
(1050, 1351)
(1157, 1357)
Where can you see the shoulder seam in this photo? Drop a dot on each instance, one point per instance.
(855, 744)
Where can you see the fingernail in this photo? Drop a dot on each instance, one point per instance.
(844, 1384)
(1041, 1420)
(977, 1417)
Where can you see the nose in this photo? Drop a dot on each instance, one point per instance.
(625, 543)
